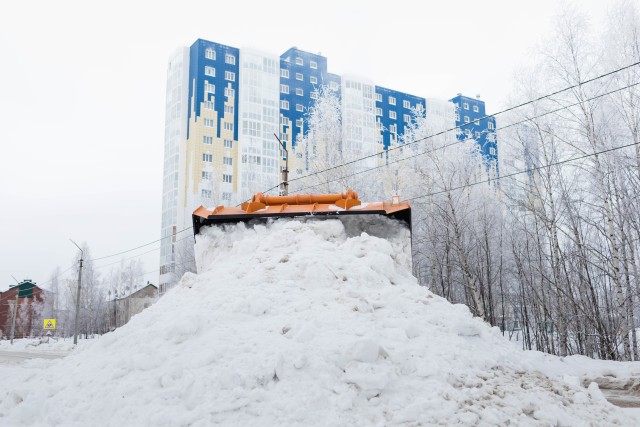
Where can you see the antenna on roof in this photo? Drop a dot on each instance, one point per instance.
(15, 279)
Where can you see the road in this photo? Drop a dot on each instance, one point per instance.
(16, 357)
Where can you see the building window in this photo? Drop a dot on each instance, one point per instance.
(229, 92)
(227, 161)
(210, 53)
(284, 120)
(209, 88)
(226, 196)
(207, 157)
(227, 178)
(392, 115)
(406, 104)
(284, 73)
(378, 111)
(475, 109)
(284, 89)
(393, 128)
(407, 118)
(299, 92)
(378, 126)
(299, 76)
(492, 151)
(477, 134)
(467, 133)
(299, 107)
(314, 94)
(206, 194)
(230, 76)
(392, 100)
(457, 117)
(299, 61)
(378, 97)
(313, 80)
(230, 59)
(333, 85)
(208, 105)
(476, 122)
(491, 137)
(208, 123)
(210, 71)
(228, 109)
(313, 64)
(284, 105)
(228, 143)
(299, 122)
(207, 140)
(490, 125)
(465, 106)
(466, 119)
(419, 107)
(206, 175)
(228, 126)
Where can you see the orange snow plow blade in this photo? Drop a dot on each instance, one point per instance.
(321, 205)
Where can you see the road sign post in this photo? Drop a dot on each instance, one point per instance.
(49, 324)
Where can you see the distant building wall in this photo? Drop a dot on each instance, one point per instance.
(123, 309)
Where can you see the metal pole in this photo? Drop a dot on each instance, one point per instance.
(285, 172)
(75, 331)
(15, 314)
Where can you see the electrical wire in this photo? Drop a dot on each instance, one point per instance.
(141, 246)
(470, 123)
(527, 171)
(463, 140)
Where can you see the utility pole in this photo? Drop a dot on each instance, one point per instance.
(285, 172)
(75, 330)
(15, 311)
(15, 314)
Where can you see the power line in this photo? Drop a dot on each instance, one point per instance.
(560, 162)
(141, 246)
(460, 141)
(139, 255)
(468, 124)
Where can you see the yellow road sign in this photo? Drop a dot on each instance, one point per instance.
(49, 324)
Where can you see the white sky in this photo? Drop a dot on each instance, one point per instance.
(82, 91)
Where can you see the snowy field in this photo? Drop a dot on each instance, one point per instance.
(306, 324)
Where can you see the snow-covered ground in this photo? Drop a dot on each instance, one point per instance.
(44, 345)
(305, 323)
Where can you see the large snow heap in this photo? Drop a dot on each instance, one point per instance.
(299, 323)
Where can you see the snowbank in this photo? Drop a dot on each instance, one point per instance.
(299, 323)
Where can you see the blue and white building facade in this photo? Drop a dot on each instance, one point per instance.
(224, 105)
(473, 123)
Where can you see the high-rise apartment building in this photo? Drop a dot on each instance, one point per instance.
(474, 124)
(224, 106)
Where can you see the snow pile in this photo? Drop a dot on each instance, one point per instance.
(299, 323)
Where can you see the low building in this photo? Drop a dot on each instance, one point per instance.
(31, 301)
(121, 310)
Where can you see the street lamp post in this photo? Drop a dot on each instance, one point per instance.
(285, 172)
(75, 330)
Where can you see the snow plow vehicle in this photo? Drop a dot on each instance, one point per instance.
(264, 207)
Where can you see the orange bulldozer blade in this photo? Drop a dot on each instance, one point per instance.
(316, 205)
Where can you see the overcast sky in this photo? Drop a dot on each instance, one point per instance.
(82, 91)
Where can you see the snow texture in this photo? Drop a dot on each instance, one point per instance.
(301, 323)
